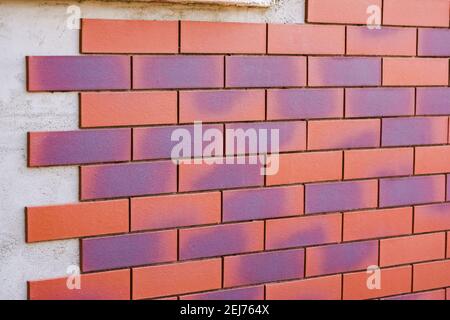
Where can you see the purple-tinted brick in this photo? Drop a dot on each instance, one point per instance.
(259, 71)
(263, 267)
(379, 102)
(128, 250)
(207, 176)
(124, 180)
(159, 72)
(73, 73)
(434, 42)
(156, 142)
(341, 258)
(249, 293)
(341, 196)
(221, 240)
(222, 105)
(414, 131)
(304, 103)
(262, 203)
(303, 231)
(433, 101)
(448, 187)
(291, 137)
(344, 71)
(78, 147)
(411, 190)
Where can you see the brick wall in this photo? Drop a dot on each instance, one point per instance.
(363, 117)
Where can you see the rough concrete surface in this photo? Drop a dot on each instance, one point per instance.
(36, 27)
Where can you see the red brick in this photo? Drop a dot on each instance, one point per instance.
(107, 109)
(224, 105)
(221, 240)
(160, 212)
(385, 41)
(393, 281)
(377, 223)
(77, 220)
(320, 288)
(415, 71)
(378, 163)
(338, 134)
(431, 275)
(410, 249)
(306, 39)
(307, 167)
(110, 285)
(343, 11)
(128, 36)
(432, 160)
(303, 231)
(177, 278)
(416, 13)
(218, 37)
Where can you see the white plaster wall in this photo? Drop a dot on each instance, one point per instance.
(33, 27)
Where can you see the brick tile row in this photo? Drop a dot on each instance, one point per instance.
(159, 142)
(160, 107)
(395, 12)
(140, 36)
(182, 72)
(205, 275)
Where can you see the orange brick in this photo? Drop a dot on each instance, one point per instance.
(77, 220)
(342, 11)
(431, 275)
(385, 41)
(110, 285)
(393, 281)
(432, 160)
(378, 163)
(339, 134)
(432, 13)
(129, 36)
(178, 278)
(218, 37)
(161, 212)
(415, 71)
(321, 288)
(306, 39)
(307, 167)
(377, 223)
(410, 249)
(108, 109)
